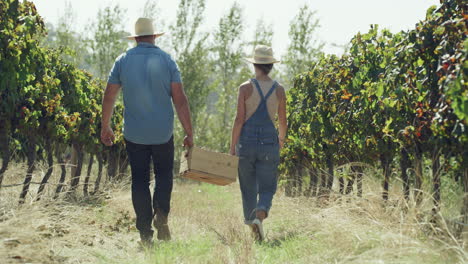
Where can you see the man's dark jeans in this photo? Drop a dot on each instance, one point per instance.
(140, 157)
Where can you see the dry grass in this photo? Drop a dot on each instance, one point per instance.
(207, 227)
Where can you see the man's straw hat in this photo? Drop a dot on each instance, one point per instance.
(262, 55)
(144, 27)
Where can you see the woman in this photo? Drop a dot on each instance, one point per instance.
(256, 140)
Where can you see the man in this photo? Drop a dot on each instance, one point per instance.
(150, 80)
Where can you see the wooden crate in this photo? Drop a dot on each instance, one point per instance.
(208, 166)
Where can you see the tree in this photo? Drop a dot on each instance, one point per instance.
(229, 74)
(263, 34)
(190, 51)
(151, 10)
(192, 54)
(304, 47)
(106, 41)
(64, 36)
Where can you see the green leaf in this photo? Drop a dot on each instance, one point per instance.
(439, 30)
(380, 89)
(420, 62)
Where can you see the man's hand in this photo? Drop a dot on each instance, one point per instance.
(188, 141)
(107, 136)
(108, 101)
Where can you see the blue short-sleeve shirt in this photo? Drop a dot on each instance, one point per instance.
(145, 74)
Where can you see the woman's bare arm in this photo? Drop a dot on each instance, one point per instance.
(283, 125)
(240, 119)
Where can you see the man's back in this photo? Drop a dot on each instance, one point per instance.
(146, 73)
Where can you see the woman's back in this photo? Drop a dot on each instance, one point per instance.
(253, 101)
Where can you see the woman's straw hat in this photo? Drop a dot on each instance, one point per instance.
(144, 27)
(262, 55)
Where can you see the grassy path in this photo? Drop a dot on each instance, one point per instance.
(207, 227)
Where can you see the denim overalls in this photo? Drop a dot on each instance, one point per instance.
(258, 151)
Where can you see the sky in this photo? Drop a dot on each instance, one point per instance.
(339, 20)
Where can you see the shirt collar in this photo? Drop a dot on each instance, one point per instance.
(146, 45)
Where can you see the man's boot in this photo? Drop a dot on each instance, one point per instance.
(146, 241)
(160, 223)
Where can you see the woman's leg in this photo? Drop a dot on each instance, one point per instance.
(248, 183)
(267, 178)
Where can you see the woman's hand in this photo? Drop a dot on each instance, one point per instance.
(232, 151)
(281, 142)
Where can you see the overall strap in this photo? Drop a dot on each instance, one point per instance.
(258, 88)
(272, 89)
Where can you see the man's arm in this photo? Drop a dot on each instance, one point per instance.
(108, 102)
(183, 111)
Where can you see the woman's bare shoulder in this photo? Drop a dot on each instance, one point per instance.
(245, 85)
(246, 88)
(280, 91)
